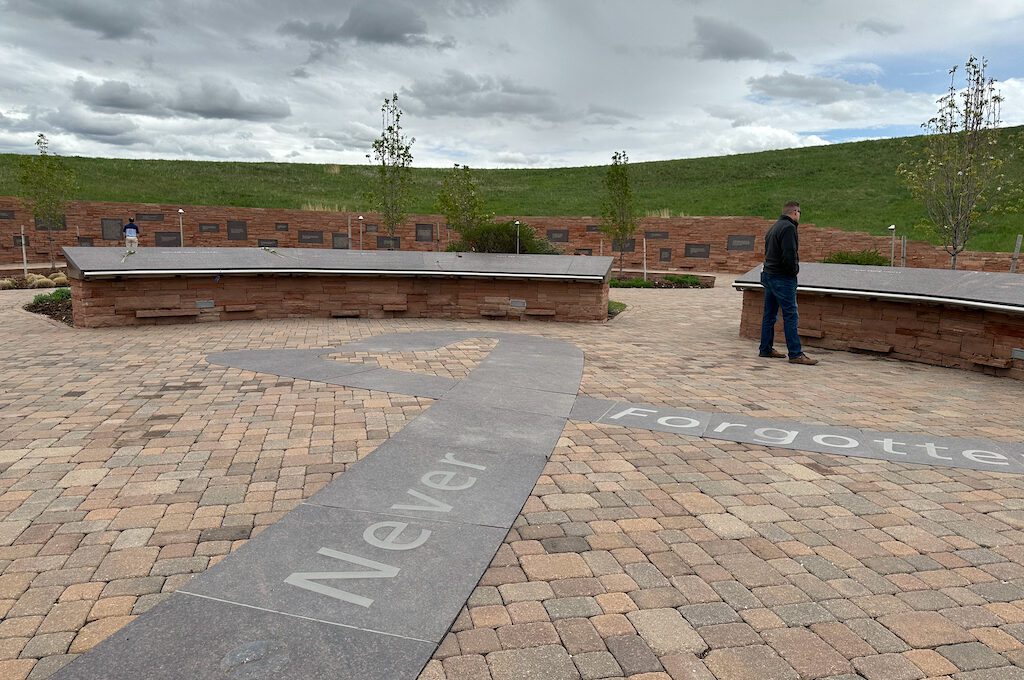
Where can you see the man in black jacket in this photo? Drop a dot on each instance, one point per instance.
(778, 277)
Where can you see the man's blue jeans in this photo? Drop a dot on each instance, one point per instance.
(780, 293)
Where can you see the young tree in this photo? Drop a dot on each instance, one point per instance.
(393, 156)
(459, 200)
(46, 184)
(618, 212)
(958, 174)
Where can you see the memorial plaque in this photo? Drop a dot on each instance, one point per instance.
(85, 241)
(238, 230)
(311, 236)
(389, 242)
(593, 228)
(209, 228)
(6, 214)
(558, 235)
(204, 304)
(698, 250)
(110, 228)
(266, 243)
(425, 233)
(45, 224)
(18, 238)
(149, 217)
(654, 235)
(340, 241)
(628, 247)
(167, 239)
(371, 228)
(281, 226)
(740, 242)
(665, 255)
(584, 251)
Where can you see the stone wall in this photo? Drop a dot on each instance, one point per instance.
(725, 244)
(942, 335)
(183, 299)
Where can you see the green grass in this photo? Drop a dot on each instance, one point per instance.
(872, 257)
(615, 308)
(849, 186)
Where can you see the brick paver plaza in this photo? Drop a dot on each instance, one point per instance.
(128, 464)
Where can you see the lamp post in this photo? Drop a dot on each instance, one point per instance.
(181, 228)
(517, 237)
(892, 250)
(360, 220)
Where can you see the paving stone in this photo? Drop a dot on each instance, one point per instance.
(887, 667)
(748, 663)
(807, 653)
(666, 632)
(633, 655)
(594, 665)
(925, 629)
(537, 662)
(972, 656)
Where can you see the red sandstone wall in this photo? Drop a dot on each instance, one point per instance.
(972, 339)
(139, 301)
(83, 220)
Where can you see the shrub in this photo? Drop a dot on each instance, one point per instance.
(683, 280)
(8, 284)
(872, 257)
(630, 283)
(55, 296)
(41, 282)
(500, 237)
(615, 308)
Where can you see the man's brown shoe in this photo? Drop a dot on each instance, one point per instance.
(772, 354)
(803, 359)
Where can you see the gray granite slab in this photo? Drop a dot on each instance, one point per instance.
(787, 434)
(550, 374)
(90, 262)
(954, 286)
(194, 638)
(589, 409)
(388, 380)
(293, 363)
(376, 572)
(659, 418)
(481, 428)
(406, 477)
(975, 454)
(508, 397)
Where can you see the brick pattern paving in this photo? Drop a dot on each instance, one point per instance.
(128, 464)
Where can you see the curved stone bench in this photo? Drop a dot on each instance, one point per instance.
(181, 285)
(963, 319)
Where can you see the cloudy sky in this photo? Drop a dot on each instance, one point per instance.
(490, 83)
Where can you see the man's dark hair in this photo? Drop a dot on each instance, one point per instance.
(131, 219)
(789, 207)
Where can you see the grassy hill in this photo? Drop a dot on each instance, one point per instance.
(850, 186)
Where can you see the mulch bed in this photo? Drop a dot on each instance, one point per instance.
(55, 309)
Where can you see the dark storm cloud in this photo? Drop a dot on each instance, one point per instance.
(882, 28)
(813, 89)
(387, 22)
(461, 94)
(108, 129)
(220, 99)
(113, 96)
(111, 19)
(720, 40)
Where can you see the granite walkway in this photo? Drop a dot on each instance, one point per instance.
(129, 466)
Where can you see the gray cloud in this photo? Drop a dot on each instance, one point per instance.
(882, 28)
(111, 19)
(720, 40)
(460, 94)
(113, 96)
(389, 22)
(109, 129)
(813, 89)
(220, 99)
